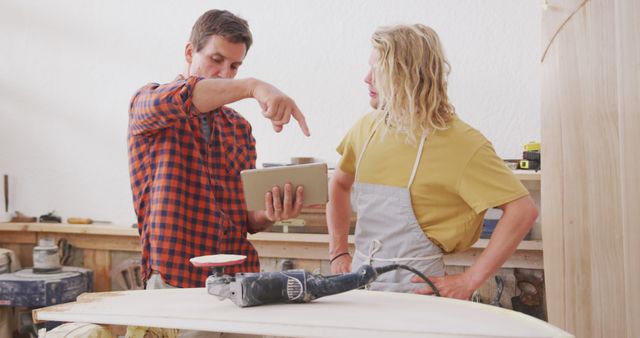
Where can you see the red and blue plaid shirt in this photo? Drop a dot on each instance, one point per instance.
(186, 186)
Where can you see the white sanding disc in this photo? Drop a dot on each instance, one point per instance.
(217, 260)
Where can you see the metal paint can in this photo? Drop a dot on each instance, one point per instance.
(45, 257)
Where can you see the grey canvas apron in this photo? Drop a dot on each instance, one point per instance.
(388, 232)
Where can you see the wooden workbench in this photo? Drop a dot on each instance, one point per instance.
(99, 243)
(356, 313)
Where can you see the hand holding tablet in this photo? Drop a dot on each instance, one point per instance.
(312, 177)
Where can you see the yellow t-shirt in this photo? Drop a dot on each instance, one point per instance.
(459, 176)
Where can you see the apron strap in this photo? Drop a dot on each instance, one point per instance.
(364, 147)
(373, 249)
(416, 163)
(376, 245)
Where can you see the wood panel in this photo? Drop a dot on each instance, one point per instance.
(15, 237)
(291, 250)
(100, 262)
(556, 14)
(552, 96)
(24, 252)
(102, 242)
(627, 47)
(585, 191)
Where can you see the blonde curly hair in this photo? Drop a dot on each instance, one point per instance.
(411, 79)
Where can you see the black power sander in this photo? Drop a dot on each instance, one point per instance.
(293, 286)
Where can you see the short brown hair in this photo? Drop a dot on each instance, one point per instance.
(222, 23)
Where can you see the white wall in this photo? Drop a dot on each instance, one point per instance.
(69, 68)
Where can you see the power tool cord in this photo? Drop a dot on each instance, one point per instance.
(383, 269)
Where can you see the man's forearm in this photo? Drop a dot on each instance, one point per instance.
(516, 221)
(258, 221)
(338, 219)
(210, 94)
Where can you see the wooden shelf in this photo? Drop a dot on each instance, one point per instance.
(528, 175)
(531, 245)
(269, 244)
(116, 230)
(293, 237)
(90, 229)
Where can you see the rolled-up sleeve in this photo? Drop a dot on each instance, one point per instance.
(157, 106)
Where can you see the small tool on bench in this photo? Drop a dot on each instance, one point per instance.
(22, 218)
(80, 220)
(50, 218)
(290, 286)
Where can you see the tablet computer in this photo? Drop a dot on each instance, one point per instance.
(312, 177)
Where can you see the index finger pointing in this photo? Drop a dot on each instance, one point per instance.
(301, 121)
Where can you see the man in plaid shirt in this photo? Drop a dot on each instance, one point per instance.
(186, 151)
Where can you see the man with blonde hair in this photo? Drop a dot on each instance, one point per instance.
(422, 178)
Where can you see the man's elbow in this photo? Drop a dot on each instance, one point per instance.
(532, 215)
(523, 211)
(337, 187)
(341, 182)
(528, 212)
